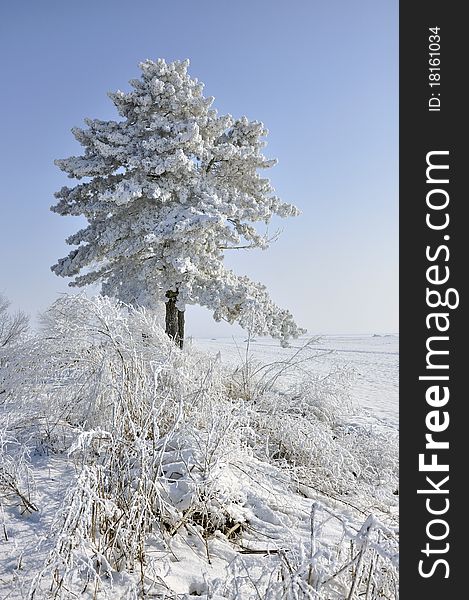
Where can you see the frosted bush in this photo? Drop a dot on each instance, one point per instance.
(169, 444)
(17, 487)
(362, 564)
(303, 427)
(136, 402)
(95, 358)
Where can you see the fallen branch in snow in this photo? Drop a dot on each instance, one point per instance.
(266, 551)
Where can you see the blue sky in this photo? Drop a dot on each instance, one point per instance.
(322, 76)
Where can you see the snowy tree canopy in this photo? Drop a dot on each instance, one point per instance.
(165, 191)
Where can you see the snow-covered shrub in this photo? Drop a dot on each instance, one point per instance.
(170, 446)
(376, 455)
(363, 563)
(151, 422)
(337, 461)
(17, 487)
(95, 358)
(301, 421)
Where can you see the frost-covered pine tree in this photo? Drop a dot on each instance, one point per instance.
(167, 189)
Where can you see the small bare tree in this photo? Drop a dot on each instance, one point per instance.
(12, 326)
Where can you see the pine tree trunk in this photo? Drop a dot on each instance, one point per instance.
(174, 319)
(181, 315)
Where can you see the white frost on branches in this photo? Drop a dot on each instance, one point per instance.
(168, 189)
(184, 468)
(12, 327)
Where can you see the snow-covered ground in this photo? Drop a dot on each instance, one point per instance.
(373, 360)
(250, 494)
